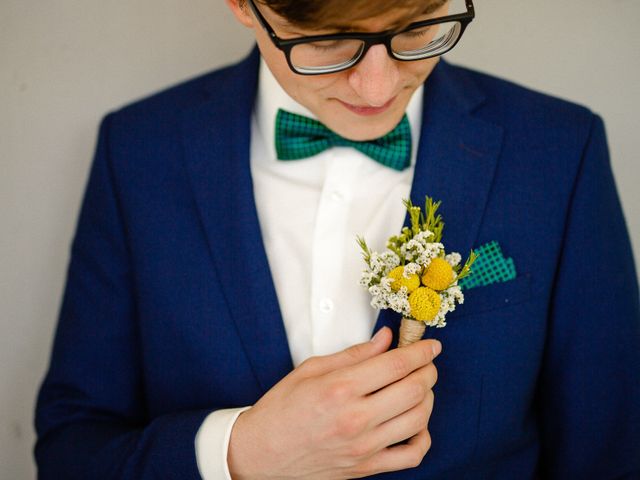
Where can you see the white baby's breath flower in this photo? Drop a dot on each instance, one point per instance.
(415, 246)
(423, 237)
(456, 292)
(376, 263)
(379, 303)
(440, 321)
(399, 301)
(406, 308)
(366, 278)
(390, 259)
(385, 284)
(375, 290)
(394, 304)
(434, 249)
(423, 259)
(453, 258)
(411, 269)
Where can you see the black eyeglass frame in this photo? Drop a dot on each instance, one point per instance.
(368, 39)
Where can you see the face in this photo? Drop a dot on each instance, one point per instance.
(362, 103)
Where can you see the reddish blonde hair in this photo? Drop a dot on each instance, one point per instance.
(321, 14)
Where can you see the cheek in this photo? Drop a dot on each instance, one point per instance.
(313, 90)
(420, 70)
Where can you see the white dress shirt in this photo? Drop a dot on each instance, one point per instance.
(310, 212)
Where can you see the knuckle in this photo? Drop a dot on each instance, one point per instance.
(433, 373)
(415, 459)
(359, 450)
(417, 454)
(427, 353)
(424, 351)
(350, 425)
(419, 421)
(308, 366)
(346, 428)
(428, 410)
(356, 352)
(399, 366)
(426, 444)
(429, 400)
(338, 392)
(416, 392)
(360, 470)
(430, 397)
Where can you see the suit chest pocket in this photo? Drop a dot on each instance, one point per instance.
(494, 296)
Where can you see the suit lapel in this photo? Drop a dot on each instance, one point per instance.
(456, 161)
(216, 137)
(457, 155)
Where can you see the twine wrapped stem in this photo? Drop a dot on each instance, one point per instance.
(410, 331)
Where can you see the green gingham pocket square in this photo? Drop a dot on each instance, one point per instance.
(491, 266)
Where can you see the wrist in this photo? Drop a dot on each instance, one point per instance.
(238, 452)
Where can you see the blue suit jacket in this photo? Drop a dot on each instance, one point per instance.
(170, 311)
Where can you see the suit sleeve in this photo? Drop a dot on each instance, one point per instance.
(91, 418)
(589, 394)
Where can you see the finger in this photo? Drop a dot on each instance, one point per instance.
(353, 355)
(398, 457)
(391, 366)
(403, 426)
(397, 398)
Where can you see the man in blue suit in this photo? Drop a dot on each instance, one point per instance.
(212, 325)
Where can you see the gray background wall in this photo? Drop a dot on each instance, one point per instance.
(64, 63)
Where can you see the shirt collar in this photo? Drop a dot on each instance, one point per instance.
(271, 97)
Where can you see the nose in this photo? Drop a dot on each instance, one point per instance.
(375, 79)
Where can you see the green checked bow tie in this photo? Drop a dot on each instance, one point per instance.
(301, 137)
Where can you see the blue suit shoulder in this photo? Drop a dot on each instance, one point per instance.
(147, 135)
(535, 116)
(530, 117)
(158, 113)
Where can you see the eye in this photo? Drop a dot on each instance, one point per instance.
(416, 33)
(325, 45)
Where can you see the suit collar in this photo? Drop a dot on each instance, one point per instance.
(458, 154)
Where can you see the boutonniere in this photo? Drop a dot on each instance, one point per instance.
(415, 276)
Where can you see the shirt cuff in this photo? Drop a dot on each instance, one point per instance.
(212, 443)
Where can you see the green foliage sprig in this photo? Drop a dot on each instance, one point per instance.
(366, 251)
(421, 221)
(466, 269)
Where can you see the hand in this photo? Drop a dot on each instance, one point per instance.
(341, 415)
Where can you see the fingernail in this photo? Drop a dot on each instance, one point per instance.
(436, 346)
(377, 336)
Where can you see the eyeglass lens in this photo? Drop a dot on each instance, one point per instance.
(415, 44)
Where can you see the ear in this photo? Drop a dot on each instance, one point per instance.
(240, 10)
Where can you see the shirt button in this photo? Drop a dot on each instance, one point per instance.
(336, 196)
(326, 305)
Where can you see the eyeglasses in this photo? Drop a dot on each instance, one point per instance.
(320, 54)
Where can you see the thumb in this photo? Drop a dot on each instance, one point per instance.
(353, 355)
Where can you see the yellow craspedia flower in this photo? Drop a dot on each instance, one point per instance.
(424, 303)
(400, 281)
(438, 275)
